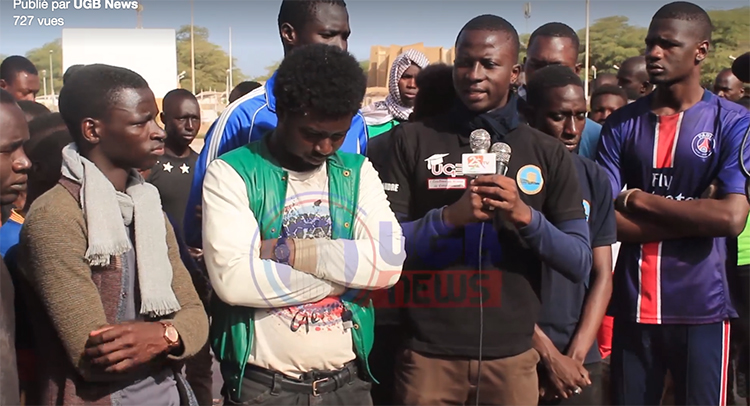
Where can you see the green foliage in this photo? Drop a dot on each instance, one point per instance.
(40, 58)
(270, 69)
(211, 62)
(730, 38)
(365, 66)
(524, 39)
(613, 39)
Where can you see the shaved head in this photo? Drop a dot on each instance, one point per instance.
(603, 79)
(728, 86)
(633, 77)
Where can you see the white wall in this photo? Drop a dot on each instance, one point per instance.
(152, 53)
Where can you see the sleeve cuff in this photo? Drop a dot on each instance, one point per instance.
(189, 347)
(306, 256)
(533, 226)
(603, 242)
(435, 217)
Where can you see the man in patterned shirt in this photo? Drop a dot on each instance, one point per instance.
(292, 228)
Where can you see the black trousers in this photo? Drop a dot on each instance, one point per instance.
(385, 350)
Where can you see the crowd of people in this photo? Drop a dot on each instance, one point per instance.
(613, 245)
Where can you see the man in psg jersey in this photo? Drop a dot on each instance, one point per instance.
(670, 302)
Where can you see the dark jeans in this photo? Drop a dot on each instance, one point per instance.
(606, 387)
(200, 376)
(354, 393)
(590, 396)
(385, 350)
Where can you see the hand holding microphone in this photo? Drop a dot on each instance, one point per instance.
(470, 209)
(491, 190)
(500, 193)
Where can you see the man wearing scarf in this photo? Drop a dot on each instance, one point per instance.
(382, 116)
(114, 309)
(495, 231)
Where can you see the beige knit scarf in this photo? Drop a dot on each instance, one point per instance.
(108, 215)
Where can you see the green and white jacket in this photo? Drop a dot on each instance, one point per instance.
(245, 195)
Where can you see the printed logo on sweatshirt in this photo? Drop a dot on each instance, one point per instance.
(530, 180)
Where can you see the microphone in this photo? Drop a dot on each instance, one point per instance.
(480, 140)
(502, 151)
(479, 162)
(502, 156)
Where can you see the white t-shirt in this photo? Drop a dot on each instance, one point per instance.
(313, 332)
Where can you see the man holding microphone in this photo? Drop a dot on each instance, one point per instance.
(492, 224)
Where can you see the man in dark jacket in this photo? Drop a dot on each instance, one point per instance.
(492, 228)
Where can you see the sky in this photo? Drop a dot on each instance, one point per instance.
(255, 40)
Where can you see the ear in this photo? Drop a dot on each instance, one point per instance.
(161, 118)
(288, 34)
(3, 84)
(90, 130)
(644, 88)
(702, 52)
(515, 71)
(648, 87)
(578, 68)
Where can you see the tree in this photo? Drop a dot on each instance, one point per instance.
(40, 58)
(270, 69)
(365, 66)
(211, 62)
(729, 38)
(611, 41)
(524, 40)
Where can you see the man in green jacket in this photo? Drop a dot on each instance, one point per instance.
(293, 230)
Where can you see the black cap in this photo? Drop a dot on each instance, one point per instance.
(741, 67)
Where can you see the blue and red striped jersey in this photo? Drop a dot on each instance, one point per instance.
(678, 156)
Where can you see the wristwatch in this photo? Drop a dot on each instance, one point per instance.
(171, 336)
(281, 251)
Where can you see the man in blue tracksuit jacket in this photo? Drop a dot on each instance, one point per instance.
(253, 115)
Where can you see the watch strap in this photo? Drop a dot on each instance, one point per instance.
(283, 248)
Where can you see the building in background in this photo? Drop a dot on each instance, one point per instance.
(381, 58)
